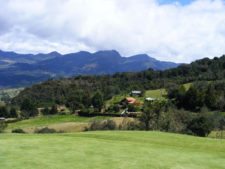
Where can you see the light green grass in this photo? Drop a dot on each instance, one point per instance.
(217, 134)
(157, 94)
(187, 85)
(48, 120)
(111, 150)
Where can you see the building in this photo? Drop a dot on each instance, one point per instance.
(136, 93)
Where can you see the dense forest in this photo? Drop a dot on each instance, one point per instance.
(81, 89)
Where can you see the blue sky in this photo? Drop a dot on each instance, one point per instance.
(164, 30)
(183, 2)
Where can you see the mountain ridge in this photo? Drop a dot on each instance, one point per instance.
(25, 67)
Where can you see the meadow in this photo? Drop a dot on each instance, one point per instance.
(111, 149)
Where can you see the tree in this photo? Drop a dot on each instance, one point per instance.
(28, 109)
(97, 101)
(3, 125)
(53, 110)
(13, 112)
(45, 111)
(4, 112)
(221, 126)
(150, 114)
(200, 126)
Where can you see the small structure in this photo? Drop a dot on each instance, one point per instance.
(2, 118)
(150, 99)
(136, 93)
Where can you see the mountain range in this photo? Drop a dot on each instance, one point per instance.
(26, 69)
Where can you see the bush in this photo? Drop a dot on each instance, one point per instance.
(18, 131)
(3, 125)
(46, 130)
(127, 124)
(102, 125)
(200, 126)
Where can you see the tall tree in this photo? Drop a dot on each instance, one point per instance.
(97, 101)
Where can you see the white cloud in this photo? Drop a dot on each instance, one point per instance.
(167, 32)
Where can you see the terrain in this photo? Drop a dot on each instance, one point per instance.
(26, 69)
(111, 149)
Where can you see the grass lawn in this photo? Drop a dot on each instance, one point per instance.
(157, 94)
(110, 150)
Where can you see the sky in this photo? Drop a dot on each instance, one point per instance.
(170, 30)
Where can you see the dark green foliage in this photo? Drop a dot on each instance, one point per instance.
(46, 130)
(199, 95)
(28, 109)
(200, 126)
(151, 113)
(45, 111)
(3, 125)
(4, 112)
(97, 101)
(18, 131)
(102, 125)
(13, 112)
(53, 110)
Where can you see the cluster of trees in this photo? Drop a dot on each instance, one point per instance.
(8, 112)
(200, 95)
(162, 116)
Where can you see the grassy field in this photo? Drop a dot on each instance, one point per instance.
(69, 123)
(157, 94)
(111, 150)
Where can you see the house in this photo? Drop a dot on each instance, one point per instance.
(136, 93)
(128, 100)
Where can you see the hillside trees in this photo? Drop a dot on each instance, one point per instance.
(28, 109)
(150, 115)
(97, 101)
(3, 125)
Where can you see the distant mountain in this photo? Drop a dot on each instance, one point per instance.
(25, 69)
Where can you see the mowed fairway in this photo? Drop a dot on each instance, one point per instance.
(110, 150)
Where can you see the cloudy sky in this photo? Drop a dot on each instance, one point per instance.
(179, 31)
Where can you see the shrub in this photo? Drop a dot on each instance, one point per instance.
(127, 124)
(3, 125)
(200, 126)
(18, 131)
(46, 130)
(102, 125)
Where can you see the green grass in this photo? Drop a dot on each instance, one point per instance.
(187, 85)
(111, 150)
(217, 134)
(157, 94)
(49, 120)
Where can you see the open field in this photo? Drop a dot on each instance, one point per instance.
(69, 123)
(157, 94)
(111, 150)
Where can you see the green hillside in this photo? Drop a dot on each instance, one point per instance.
(103, 150)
